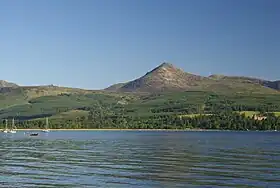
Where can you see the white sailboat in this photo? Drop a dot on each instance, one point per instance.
(12, 129)
(6, 128)
(46, 130)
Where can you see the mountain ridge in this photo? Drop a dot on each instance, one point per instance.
(267, 83)
(167, 77)
(164, 77)
(156, 91)
(4, 83)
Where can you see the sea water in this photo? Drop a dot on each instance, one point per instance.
(140, 159)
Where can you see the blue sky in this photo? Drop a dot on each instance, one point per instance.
(93, 44)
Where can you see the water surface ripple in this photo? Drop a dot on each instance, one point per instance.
(140, 159)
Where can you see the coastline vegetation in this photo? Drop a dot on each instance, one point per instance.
(178, 110)
(219, 121)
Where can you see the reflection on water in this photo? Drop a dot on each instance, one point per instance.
(140, 159)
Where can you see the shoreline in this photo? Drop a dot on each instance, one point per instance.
(170, 130)
(118, 130)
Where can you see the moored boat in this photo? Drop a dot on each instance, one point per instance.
(46, 130)
(6, 130)
(12, 129)
(34, 134)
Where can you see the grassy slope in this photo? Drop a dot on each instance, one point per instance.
(72, 114)
(241, 86)
(252, 113)
(11, 96)
(194, 115)
(277, 113)
(246, 113)
(69, 115)
(249, 113)
(37, 102)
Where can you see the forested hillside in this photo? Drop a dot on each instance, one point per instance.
(165, 97)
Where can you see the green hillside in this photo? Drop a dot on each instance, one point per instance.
(189, 102)
(100, 109)
(21, 103)
(166, 91)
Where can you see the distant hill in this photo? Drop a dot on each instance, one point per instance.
(4, 83)
(270, 84)
(275, 85)
(167, 77)
(31, 102)
(115, 87)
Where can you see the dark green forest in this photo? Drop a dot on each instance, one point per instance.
(149, 111)
(221, 121)
(98, 119)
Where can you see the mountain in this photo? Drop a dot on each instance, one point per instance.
(140, 96)
(167, 77)
(266, 83)
(4, 83)
(275, 85)
(162, 78)
(30, 102)
(115, 87)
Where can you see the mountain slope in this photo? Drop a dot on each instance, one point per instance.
(243, 79)
(275, 85)
(167, 77)
(115, 87)
(18, 96)
(4, 83)
(182, 91)
(162, 78)
(36, 102)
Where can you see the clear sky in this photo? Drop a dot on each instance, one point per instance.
(95, 43)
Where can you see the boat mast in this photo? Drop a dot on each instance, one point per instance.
(47, 123)
(13, 123)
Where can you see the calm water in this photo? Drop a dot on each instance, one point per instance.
(140, 159)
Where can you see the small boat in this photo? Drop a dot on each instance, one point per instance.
(12, 129)
(34, 134)
(46, 130)
(6, 130)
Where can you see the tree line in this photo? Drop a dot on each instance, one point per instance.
(102, 118)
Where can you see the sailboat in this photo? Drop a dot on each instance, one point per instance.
(6, 128)
(46, 130)
(12, 129)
